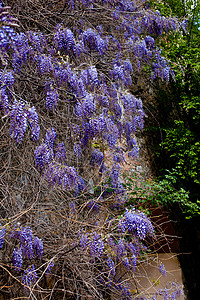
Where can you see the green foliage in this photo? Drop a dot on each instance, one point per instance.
(183, 149)
(179, 104)
(163, 193)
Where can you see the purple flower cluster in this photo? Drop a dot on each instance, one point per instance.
(60, 153)
(4, 100)
(52, 98)
(64, 40)
(97, 158)
(29, 277)
(28, 246)
(44, 64)
(49, 268)
(34, 123)
(7, 33)
(52, 164)
(171, 292)
(18, 120)
(77, 150)
(111, 266)
(38, 246)
(17, 258)
(161, 68)
(83, 241)
(90, 76)
(6, 79)
(121, 74)
(86, 107)
(2, 234)
(93, 41)
(138, 224)
(43, 156)
(96, 246)
(162, 269)
(50, 138)
(61, 175)
(20, 114)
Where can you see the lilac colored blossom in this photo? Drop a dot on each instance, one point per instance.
(64, 40)
(2, 234)
(80, 185)
(121, 74)
(50, 137)
(134, 152)
(38, 246)
(6, 79)
(121, 226)
(133, 261)
(29, 276)
(113, 134)
(18, 258)
(138, 224)
(49, 268)
(87, 134)
(99, 125)
(44, 64)
(37, 41)
(20, 55)
(125, 262)
(118, 156)
(120, 249)
(162, 269)
(86, 107)
(97, 157)
(128, 66)
(61, 175)
(4, 101)
(43, 156)
(129, 102)
(18, 120)
(34, 123)
(111, 243)
(83, 241)
(93, 41)
(7, 35)
(52, 99)
(125, 290)
(96, 246)
(93, 75)
(150, 42)
(77, 150)
(60, 154)
(141, 51)
(111, 266)
(114, 173)
(26, 240)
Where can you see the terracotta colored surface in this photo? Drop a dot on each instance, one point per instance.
(149, 279)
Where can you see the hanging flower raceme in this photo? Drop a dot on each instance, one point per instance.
(28, 246)
(2, 234)
(93, 41)
(20, 115)
(136, 223)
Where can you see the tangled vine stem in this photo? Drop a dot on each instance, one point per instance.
(65, 99)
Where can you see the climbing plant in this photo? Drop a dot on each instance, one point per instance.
(66, 103)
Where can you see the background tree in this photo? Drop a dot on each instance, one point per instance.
(177, 112)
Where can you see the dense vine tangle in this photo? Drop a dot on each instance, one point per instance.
(97, 101)
(65, 92)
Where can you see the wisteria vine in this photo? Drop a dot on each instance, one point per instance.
(78, 109)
